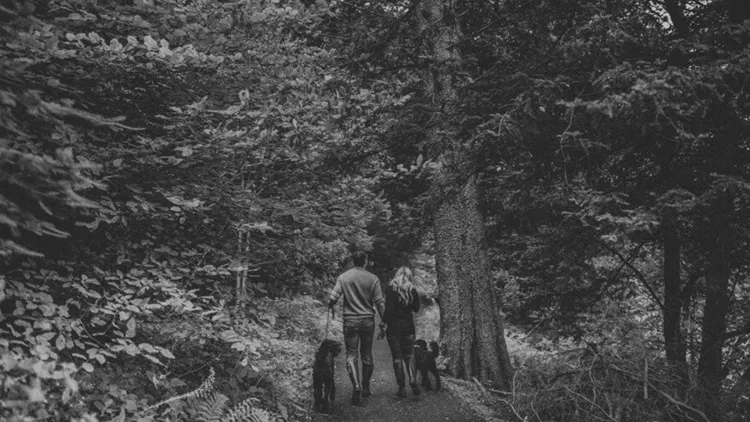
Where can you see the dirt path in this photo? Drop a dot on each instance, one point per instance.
(383, 405)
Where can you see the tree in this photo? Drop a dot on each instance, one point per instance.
(471, 318)
(640, 155)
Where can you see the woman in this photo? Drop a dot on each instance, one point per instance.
(401, 301)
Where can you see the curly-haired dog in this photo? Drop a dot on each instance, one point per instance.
(425, 361)
(324, 388)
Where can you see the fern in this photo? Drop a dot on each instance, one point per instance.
(245, 412)
(207, 405)
(209, 408)
(198, 393)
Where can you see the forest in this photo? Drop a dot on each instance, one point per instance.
(181, 182)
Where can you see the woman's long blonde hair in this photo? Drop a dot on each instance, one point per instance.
(402, 284)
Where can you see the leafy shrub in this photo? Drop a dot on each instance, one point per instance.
(228, 129)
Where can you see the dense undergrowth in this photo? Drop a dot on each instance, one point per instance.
(162, 163)
(169, 167)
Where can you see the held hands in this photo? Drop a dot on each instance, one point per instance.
(381, 334)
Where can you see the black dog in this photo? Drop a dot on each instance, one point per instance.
(425, 361)
(324, 388)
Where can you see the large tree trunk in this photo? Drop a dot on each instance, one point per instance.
(472, 323)
(710, 370)
(673, 339)
(471, 318)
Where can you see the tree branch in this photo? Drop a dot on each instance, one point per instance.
(622, 265)
(639, 275)
(5, 11)
(738, 332)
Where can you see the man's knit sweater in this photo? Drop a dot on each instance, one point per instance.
(361, 291)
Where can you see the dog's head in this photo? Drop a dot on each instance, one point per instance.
(421, 344)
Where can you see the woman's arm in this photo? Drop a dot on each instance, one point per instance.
(388, 305)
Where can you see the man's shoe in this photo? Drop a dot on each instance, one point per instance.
(353, 370)
(366, 375)
(356, 397)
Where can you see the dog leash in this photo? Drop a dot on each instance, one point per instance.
(328, 320)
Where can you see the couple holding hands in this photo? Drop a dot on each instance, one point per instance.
(396, 305)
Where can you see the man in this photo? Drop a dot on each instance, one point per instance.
(361, 291)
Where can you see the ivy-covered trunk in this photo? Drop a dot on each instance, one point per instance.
(471, 318)
(471, 324)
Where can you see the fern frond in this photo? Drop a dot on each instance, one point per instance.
(245, 412)
(199, 392)
(209, 408)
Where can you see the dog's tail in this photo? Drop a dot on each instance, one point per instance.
(435, 349)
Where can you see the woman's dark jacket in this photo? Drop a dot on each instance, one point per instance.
(398, 315)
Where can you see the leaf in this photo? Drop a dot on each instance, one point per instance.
(131, 328)
(147, 348)
(166, 353)
(139, 22)
(66, 395)
(176, 383)
(268, 320)
(229, 335)
(60, 342)
(131, 405)
(132, 350)
(46, 337)
(115, 45)
(150, 43)
(153, 359)
(88, 367)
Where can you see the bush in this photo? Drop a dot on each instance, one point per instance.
(584, 385)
